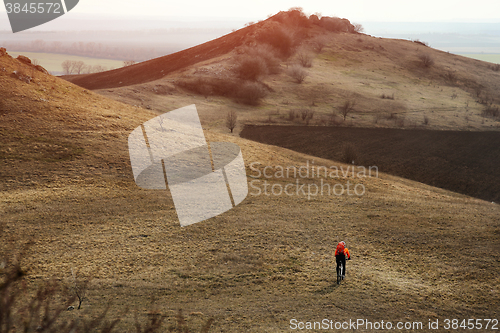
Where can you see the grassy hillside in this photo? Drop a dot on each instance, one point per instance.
(419, 253)
(390, 82)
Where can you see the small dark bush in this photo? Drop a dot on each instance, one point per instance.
(450, 77)
(494, 67)
(279, 39)
(491, 111)
(292, 114)
(306, 115)
(384, 96)
(426, 120)
(297, 73)
(349, 154)
(319, 43)
(426, 60)
(251, 93)
(420, 42)
(208, 86)
(266, 53)
(304, 58)
(251, 68)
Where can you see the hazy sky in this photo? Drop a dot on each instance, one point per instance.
(358, 10)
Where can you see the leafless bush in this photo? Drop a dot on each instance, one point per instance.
(319, 43)
(251, 68)
(44, 312)
(208, 86)
(292, 114)
(305, 58)
(426, 60)
(426, 120)
(251, 93)
(297, 73)
(421, 43)
(264, 52)
(358, 28)
(280, 39)
(494, 67)
(384, 96)
(491, 111)
(231, 120)
(349, 154)
(450, 77)
(306, 115)
(347, 107)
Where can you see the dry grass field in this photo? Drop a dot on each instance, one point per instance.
(68, 196)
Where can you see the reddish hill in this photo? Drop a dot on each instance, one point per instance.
(293, 22)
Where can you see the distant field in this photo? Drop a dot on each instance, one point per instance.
(463, 162)
(52, 61)
(489, 57)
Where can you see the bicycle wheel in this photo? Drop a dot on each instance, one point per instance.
(339, 273)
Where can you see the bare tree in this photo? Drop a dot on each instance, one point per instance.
(231, 120)
(67, 66)
(347, 107)
(78, 66)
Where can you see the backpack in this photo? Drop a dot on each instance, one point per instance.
(340, 248)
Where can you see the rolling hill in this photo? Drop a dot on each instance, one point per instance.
(419, 253)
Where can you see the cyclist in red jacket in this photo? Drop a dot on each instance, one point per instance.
(341, 253)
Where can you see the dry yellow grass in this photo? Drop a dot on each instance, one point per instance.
(419, 252)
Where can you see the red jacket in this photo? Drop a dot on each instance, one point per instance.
(346, 252)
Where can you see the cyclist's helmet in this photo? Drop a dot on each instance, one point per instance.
(343, 243)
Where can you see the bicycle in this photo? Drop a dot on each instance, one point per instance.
(340, 267)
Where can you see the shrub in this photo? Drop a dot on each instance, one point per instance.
(349, 154)
(207, 86)
(297, 73)
(426, 120)
(251, 93)
(251, 68)
(305, 59)
(292, 114)
(306, 115)
(384, 96)
(491, 111)
(279, 39)
(358, 28)
(426, 60)
(420, 42)
(495, 67)
(450, 77)
(266, 53)
(319, 43)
